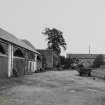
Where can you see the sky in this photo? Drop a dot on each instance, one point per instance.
(81, 21)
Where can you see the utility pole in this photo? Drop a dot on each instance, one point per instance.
(89, 49)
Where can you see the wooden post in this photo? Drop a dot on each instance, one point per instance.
(36, 63)
(10, 60)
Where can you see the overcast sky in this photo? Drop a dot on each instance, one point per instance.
(81, 21)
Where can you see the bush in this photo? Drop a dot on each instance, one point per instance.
(98, 61)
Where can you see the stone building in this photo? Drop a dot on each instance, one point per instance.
(50, 59)
(15, 56)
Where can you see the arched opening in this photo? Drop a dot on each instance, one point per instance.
(2, 51)
(38, 58)
(18, 53)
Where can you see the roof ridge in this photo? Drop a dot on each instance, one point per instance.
(13, 39)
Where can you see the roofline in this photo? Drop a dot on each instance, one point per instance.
(83, 54)
(8, 33)
(20, 46)
(89, 56)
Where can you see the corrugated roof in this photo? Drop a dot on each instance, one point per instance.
(12, 39)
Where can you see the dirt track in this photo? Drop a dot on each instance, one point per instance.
(52, 88)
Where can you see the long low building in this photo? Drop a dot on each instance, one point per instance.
(16, 57)
(85, 58)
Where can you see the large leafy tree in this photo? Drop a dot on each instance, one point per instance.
(55, 39)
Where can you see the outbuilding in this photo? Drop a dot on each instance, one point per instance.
(50, 59)
(16, 57)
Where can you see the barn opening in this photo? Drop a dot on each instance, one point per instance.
(2, 51)
(38, 58)
(18, 63)
(18, 53)
(3, 62)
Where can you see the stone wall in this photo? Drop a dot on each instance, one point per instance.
(49, 59)
(3, 59)
(3, 66)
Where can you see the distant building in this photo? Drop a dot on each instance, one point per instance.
(16, 57)
(50, 59)
(84, 58)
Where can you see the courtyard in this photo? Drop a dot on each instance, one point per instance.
(52, 88)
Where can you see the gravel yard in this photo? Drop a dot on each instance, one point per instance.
(52, 88)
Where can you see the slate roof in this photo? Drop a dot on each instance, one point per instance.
(28, 43)
(84, 56)
(12, 39)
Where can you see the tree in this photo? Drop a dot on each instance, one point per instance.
(55, 40)
(98, 61)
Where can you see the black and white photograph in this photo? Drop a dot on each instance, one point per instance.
(52, 52)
